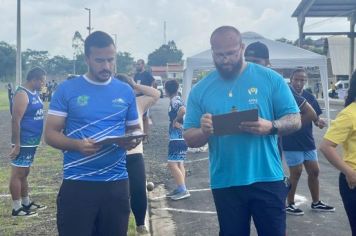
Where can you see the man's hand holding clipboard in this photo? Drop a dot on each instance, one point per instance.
(230, 123)
(127, 141)
(234, 123)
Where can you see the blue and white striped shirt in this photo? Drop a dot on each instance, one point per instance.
(94, 110)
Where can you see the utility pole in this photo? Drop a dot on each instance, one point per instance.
(18, 46)
(115, 68)
(164, 33)
(89, 28)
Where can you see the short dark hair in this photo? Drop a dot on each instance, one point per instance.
(171, 86)
(98, 39)
(141, 60)
(298, 70)
(222, 30)
(35, 73)
(351, 93)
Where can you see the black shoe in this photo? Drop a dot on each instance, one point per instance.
(34, 207)
(320, 206)
(23, 213)
(291, 209)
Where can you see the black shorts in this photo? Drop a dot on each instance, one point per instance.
(93, 208)
(264, 201)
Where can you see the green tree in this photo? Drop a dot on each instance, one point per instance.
(167, 53)
(32, 58)
(78, 53)
(124, 62)
(78, 43)
(80, 65)
(59, 65)
(7, 61)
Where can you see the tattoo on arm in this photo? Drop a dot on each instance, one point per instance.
(288, 124)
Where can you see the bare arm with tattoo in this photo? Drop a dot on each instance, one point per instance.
(286, 125)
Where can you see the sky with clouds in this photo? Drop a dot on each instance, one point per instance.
(50, 25)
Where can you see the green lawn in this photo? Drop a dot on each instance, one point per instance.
(4, 101)
(44, 180)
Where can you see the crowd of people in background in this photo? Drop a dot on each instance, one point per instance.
(47, 90)
(102, 182)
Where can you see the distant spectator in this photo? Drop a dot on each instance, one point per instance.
(177, 148)
(145, 78)
(43, 93)
(10, 94)
(26, 126)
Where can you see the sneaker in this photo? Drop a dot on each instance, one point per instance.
(181, 195)
(174, 192)
(320, 206)
(23, 213)
(34, 207)
(142, 230)
(293, 210)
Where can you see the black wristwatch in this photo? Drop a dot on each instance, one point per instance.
(274, 129)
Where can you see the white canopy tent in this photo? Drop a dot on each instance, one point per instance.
(282, 55)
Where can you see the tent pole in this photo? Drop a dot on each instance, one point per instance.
(301, 21)
(187, 81)
(352, 42)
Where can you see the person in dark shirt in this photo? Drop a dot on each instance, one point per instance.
(143, 77)
(299, 149)
(258, 53)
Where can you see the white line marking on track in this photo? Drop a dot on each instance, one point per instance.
(199, 190)
(202, 159)
(185, 211)
(300, 199)
(8, 195)
(331, 109)
(190, 190)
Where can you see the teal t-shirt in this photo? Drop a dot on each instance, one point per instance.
(244, 158)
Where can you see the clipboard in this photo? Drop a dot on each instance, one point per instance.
(227, 124)
(115, 139)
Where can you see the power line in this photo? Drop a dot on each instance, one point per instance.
(329, 19)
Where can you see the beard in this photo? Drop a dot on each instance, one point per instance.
(101, 76)
(229, 73)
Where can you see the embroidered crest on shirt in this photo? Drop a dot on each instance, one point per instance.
(82, 100)
(253, 92)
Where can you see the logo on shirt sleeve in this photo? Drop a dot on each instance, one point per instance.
(82, 100)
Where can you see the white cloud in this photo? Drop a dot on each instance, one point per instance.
(50, 25)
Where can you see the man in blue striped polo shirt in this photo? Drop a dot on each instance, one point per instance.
(94, 196)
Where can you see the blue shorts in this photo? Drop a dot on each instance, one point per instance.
(294, 158)
(177, 150)
(25, 157)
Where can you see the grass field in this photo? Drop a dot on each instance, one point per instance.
(4, 101)
(44, 180)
